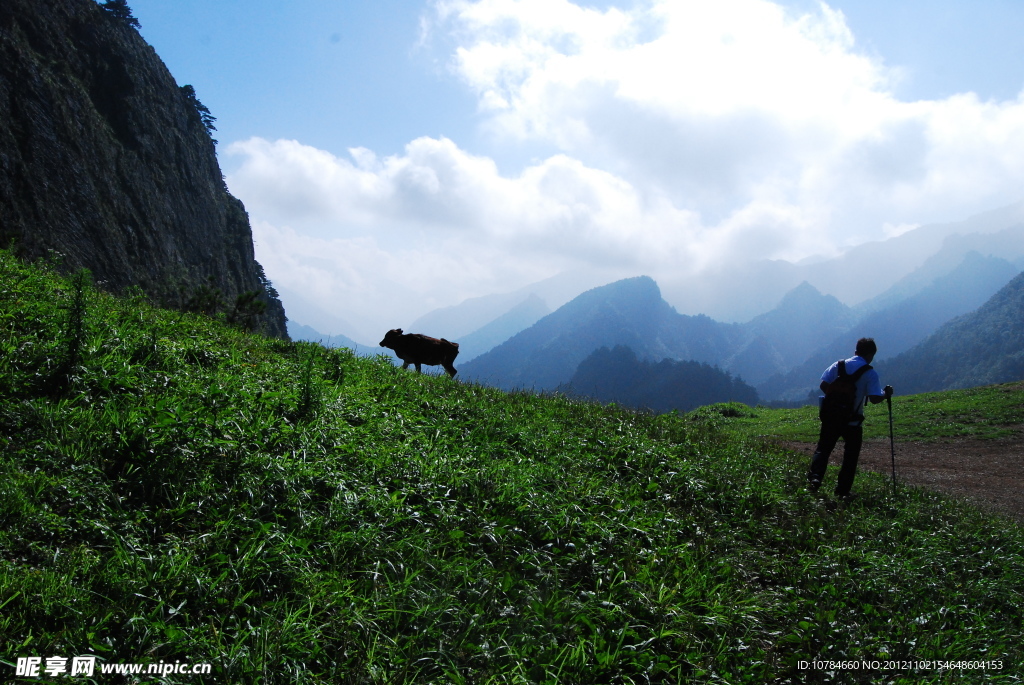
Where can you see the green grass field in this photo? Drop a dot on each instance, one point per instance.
(173, 489)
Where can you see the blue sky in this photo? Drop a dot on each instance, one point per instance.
(331, 74)
(401, 155)
(337, 74)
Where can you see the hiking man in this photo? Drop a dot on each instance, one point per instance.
(846, 384)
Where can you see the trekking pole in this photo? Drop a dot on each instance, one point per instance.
(892, 445)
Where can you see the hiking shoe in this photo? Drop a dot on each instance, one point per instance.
(813, 485)
(846, 498)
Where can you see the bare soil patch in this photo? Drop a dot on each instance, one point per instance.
(990, 473)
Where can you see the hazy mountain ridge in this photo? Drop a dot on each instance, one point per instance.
(459, 321)
(298, 331)
(931, 274)
(319, 320)
(739, 292)
(1007, 244)
(522, 316)
(901, 326)
(632, 314)
(471, 315)
(629, 312)
(980, 348)
(788, 333)
(873, 276)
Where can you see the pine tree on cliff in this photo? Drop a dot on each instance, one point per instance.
(204, 112)
(120, 10)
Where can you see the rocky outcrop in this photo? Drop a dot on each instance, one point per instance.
(104, 158)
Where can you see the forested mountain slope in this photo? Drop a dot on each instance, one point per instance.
(617, 375)
(980, 348)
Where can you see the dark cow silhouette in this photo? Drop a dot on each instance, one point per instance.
(416, 348)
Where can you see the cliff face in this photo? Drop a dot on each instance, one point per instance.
(105, 159)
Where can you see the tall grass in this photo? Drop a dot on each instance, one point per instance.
(293, 514)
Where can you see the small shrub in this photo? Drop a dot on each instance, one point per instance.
(247, 311)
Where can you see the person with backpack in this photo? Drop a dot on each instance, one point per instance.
(846, 385)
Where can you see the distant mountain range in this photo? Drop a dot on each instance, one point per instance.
(739, 292)
(492, 334)
(980, 348)
(775, 341)
(470, 316)
(629, 312)
(899, 326)
(781, 352)
(784, 351)
(297, 331)
(866, 278)
(1006, 244)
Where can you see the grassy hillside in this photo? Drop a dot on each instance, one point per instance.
(172, 489)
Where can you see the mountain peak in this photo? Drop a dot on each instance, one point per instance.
(805, 292)
(802, 302)
(628, 312)
(641, 287)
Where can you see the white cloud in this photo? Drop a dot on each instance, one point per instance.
(686, 134)
(437, 193)
(372, 288)
(733, 105)
(397, 236)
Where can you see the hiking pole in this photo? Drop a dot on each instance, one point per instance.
(892, 445)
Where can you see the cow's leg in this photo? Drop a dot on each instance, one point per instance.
(450, 369)
(418, 369)
(406, 365)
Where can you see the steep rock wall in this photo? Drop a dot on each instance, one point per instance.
(104, 158)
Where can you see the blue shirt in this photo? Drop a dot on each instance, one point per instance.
(868, 384)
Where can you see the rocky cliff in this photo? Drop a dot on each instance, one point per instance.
(104, 158)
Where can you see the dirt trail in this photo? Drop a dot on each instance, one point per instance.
(988, 472)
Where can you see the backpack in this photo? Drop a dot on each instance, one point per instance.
(840, 399)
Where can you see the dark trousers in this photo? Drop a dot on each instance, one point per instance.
(852, 437)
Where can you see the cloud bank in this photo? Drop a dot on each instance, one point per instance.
(682, 135)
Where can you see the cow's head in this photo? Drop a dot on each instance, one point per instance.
(391, 337)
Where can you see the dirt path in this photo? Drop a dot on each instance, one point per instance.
(988, 472)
